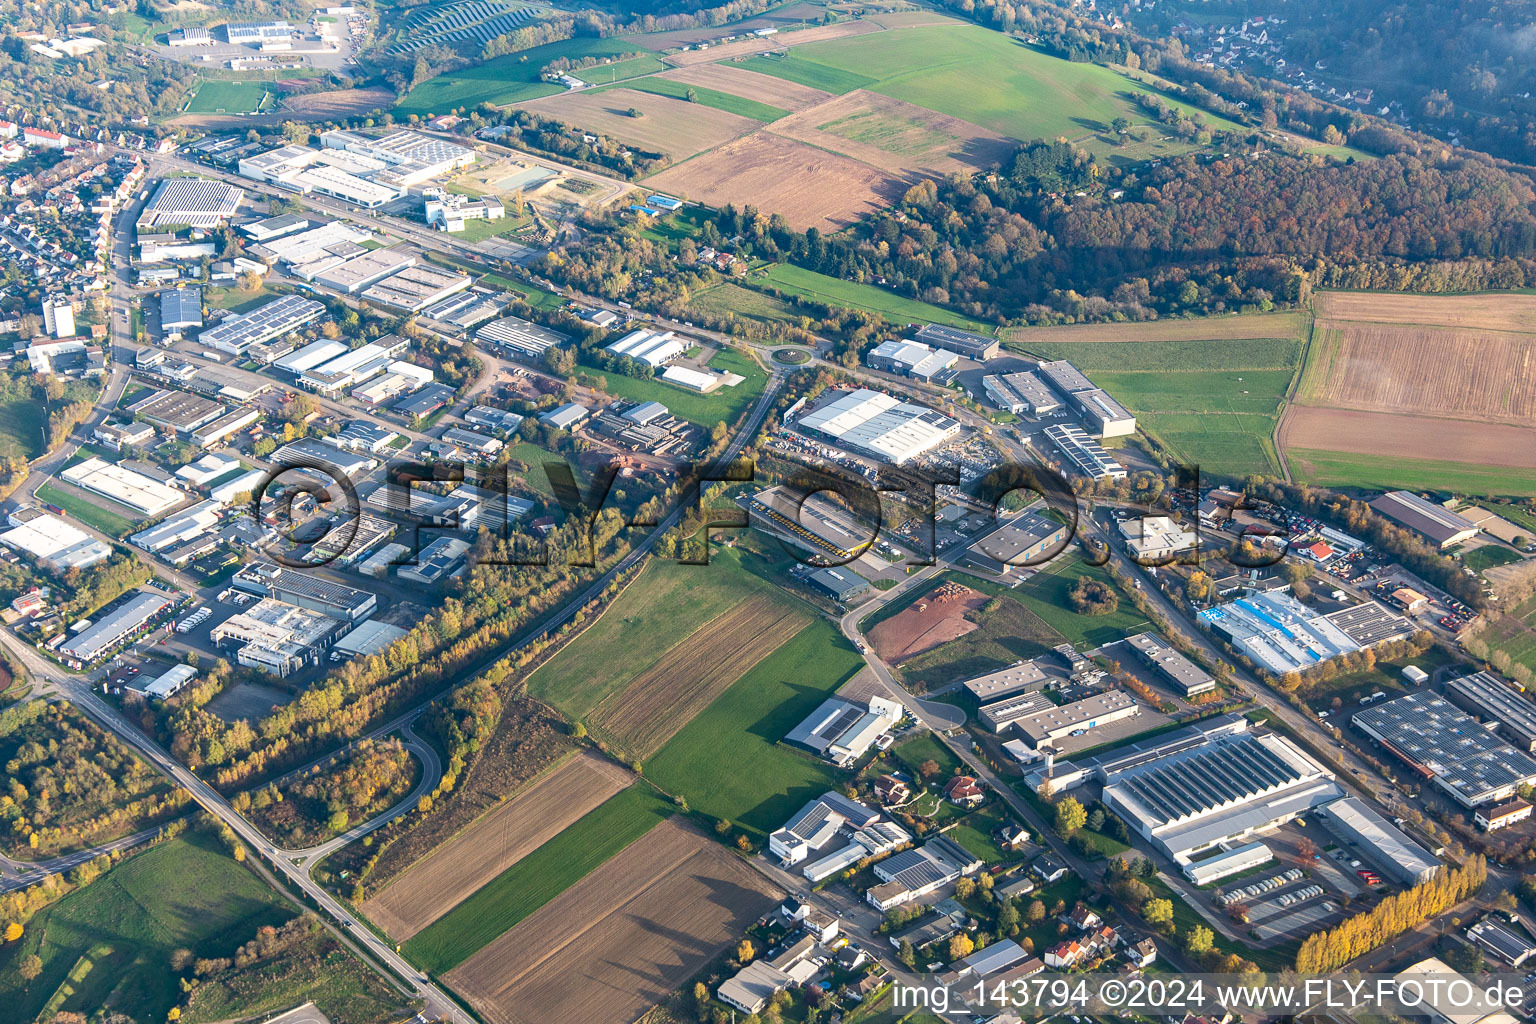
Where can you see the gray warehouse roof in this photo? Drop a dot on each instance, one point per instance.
(1430, 733)
(1393, 851)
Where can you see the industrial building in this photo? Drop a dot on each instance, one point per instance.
(310, 356)
(368, 638)
(520, 336)
(1444, 744)
(839, 584)
(968, 343)
(1154, 539)
(701, 381)
(98, 639)
(831, 834)
(275, 637)
(448, 211)
(1020, 676)
(274, 227)
(351, 368)
(1101, 414)
(188, 524)
(311, 246)
(145, 495)
(1486, 696)
(1209, 788)
(913, 874)
(436, 562)
(1058, 723)
(1435, 523)
(811, 522)
(843, 731)
(565, 417)
(190, 202)
(165, 685)
(1369, 624)
(177, 410)
(1278, 632)
(1184, 675)
(1491, 819)
(1003, 714)
(1020, 392)
(414, 157)
(369, 267)
(1083, 453)
(1227, 863)
(1377, 841)
(306, 591)
(235, 334)
(878, 424)
(54, 543)
(914, 359)
(1025, 539)
(415, 288)
(307, 453)
(352, 179)
(653, 348)
(180, 308)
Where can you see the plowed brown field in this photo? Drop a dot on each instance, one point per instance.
(809, 186)
(441, 880)
(737, 81)
(1501, 312)
(623, 937)
(1408, 436)
(895, 136)
(666, 697)
(671, 126)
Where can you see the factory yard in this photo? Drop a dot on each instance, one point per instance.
(623, 937)
(440, 881)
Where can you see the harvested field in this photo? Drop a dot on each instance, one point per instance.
(895, 136)
(437, 883)
(1213, 328)
(740, 82)
(1409, 436)
(726, 51)
(672, 126)
(781, 17)
(330, 106)
(622, 938)
(1383, 368)
(770, 172)
(659, 702)
(1494, 312)
(926, 623)
(910, 19)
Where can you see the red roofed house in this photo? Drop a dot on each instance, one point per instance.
(964, 790)
(1320, 551)
(43, 137)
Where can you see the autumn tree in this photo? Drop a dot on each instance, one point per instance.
(1070, 817)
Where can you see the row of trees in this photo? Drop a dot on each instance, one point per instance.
(1358, 935)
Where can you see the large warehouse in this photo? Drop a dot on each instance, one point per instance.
(1380, 842)
(653, 348)
(968, 343)
(521, 336)
(137, 491)
(298, 588)
(1103, 416)
(879, 424)
(1435, 523)
(913, 359)
(1085, 454)
(1278, 632)
(194, 202)
(52, 541)
(1020, 392)
(1443, 743)
(1225, 788)
(1488, 697)
(235, 334)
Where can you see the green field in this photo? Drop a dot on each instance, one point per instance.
(807, 73)
(83, 510)
(729, 761)
(704, 97)
(996, 81)
(831, 290)
(538, 878)
(229, 98)
(723, 405)
(1220, 417)
(618, 71)
(1046, 595)
(21, 429)
(1385, 472)
(187, 893)
(1488, 556)
(656, 612)
(733, 300)
(508, 79)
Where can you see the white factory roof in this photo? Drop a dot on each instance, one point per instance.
(242, 484)
(688, 377)
(1279, 632)
(50, 539)
(135, 490)
(209, 467)
(369, 638)
(881, 424)
(310, 356)
(650, 347)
